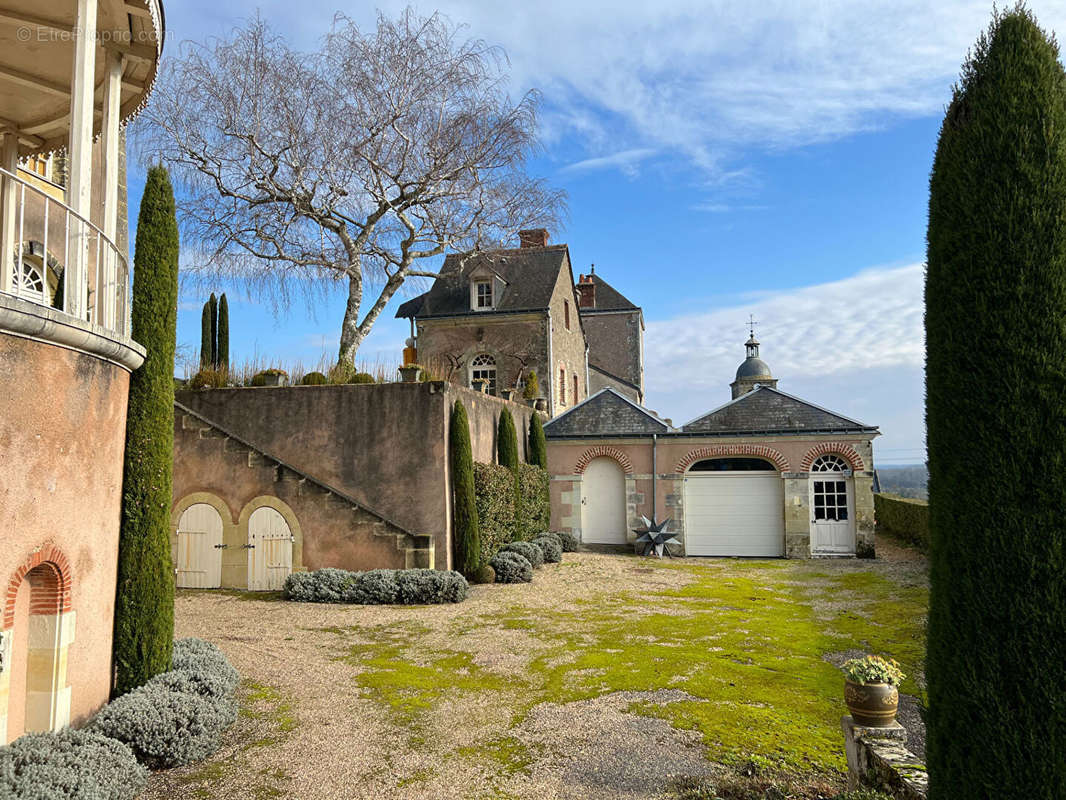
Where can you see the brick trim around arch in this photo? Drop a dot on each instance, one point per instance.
(845, 451)
(775, 457)
(604, 450)
(56, 596)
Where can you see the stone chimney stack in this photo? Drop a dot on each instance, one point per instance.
(535, 237)
(586, 292)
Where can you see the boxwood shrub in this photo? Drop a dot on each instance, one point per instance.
(567, 540)
(377, 587)
(494, 490)
(204, 659)
(70, 765)
(531, 552)
(551, 547)
(533, 483)
(511, 567)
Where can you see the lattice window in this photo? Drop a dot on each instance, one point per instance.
(830, 500)
(484, 294)
(29, 283)
(829, 463)
(483, 367)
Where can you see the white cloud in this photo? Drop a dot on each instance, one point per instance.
(626, 161)
(855, 346)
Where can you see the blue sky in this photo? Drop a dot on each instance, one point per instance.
(721, 160)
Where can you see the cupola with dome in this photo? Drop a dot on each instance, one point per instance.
(753, 371)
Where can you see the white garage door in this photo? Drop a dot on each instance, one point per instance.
(734, 514)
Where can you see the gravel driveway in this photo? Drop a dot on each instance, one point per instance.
(604, 678)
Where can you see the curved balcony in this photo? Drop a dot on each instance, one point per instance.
(49, 236)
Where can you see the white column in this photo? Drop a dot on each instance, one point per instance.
(112, 110)
(80, 149)
(9, 160)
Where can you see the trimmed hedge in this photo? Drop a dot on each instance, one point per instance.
(904, 518)
(529, 551)
(179, 716)
(314, 379)
(377, 587)
(567, 540)
(70, 765)
(534, 491)
(494, 494)
(551, 547)
(511, 567)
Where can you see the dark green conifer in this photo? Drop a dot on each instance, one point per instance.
(465, 527)
(213, 305)
(223, 334)
(995, 317)
(144, 599)
(507, 441)
(206, 346)
(538, 445)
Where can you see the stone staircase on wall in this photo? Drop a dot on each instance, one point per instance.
(418, 549)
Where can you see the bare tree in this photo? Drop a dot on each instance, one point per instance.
(347, 165)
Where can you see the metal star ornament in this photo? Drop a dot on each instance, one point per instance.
(654, 538)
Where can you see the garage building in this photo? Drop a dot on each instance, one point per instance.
(766, 475)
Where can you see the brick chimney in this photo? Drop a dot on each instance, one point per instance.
(586, 292)
(535, 237)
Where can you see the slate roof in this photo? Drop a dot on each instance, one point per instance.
(610, 374)
(606, 413)
(530, 273)
(768, 410)
(608, 298)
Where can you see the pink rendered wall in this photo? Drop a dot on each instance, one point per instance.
(62, 433)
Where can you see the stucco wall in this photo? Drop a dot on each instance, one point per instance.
(385, 445)
(62, 433)
(674, 454)
(328, 532)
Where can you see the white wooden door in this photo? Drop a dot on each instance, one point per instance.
(198, 556)
(603, 503)
(738, 513)
(832, 514)
(269, 550)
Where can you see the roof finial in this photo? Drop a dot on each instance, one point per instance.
(592, 269)
(751, 324)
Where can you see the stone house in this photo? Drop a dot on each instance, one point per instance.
(614, 328)
(767, 474)
(497, 315)
(65, 357)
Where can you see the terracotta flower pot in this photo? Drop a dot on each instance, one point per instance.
(871, 704)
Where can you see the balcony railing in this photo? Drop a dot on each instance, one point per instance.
(57, 258)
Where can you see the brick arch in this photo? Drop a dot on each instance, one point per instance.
(604, 450)
(775, 457)
(55, 587)
(845, 451)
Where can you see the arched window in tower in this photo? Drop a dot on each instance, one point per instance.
(29, 283)
(483, 368)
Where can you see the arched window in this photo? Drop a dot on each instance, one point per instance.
(29, 283)
(829, 463)
(483, 367)
(733, 465)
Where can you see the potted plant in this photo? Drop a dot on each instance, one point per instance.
(532, 388)
(481, 385)
(409, 373)
(507, 394)
(270, 377)
(540, 403)
(871, 690)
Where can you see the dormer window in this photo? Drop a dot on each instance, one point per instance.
(483, 295)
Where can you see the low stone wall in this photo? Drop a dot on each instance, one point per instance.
(879, 758)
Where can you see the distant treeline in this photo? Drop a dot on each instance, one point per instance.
(905, 481)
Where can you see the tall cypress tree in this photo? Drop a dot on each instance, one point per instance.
(538, 445)
(213, 306)
(144, 600)
(223, 333)
(206, 346)
(507, 441)
(466, 534)
(995, 300)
